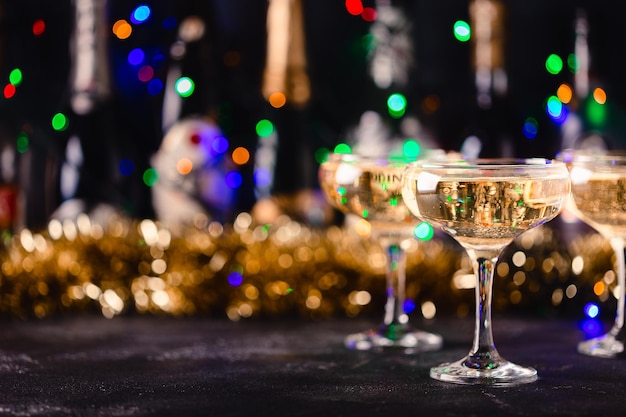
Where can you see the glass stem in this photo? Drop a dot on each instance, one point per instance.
(618, 328)
(396, 281)
(483, 354)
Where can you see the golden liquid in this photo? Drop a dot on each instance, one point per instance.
(601, 202)
(488, 212)
(370, 191)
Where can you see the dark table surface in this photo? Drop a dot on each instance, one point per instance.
(136, 366)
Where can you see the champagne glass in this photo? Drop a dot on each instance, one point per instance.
(369, 187)
(484, 204)
(598, 197)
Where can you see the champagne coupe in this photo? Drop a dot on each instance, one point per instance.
(484, 204)
(598, 197)
(370, 188)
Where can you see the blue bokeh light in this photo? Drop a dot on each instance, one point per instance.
(234, 179)
(140, 14)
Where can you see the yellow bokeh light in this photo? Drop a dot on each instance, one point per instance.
(240, 155)
(599, 95)
(184, 166)
(277, 99)
(122, 29)
(564, 93)
(363, 228)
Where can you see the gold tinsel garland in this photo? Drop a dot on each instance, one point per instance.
(286, 268)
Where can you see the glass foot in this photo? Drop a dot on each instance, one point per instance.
(504, 373)
(606, 346)
(394, 337)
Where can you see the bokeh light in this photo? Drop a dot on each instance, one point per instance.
(396, 105)
(321, 155)
(596, 113)
(235, 278)
(219, 145)
(591, 310)
(354, 7)
(599, 95)
(234, 179)
(39, 27)
(136, 56)
(554, 64)
(262, 177)
(9, 91)
(15, 76)
(368, 14)
(150, 177)
(264, 128)
(342, 148)
(564, 93)
(277, 99)
(126, 167)
(554, 107)
(462, 31)
(59, 122)
(240, 155)
(140, 14)
(146, 73)
(424, 231)
(184, 86)
(155, 86)
(184, 166)
(122, 29)
(411, 148)
(22, 142)
(530, 128)
(572, 63)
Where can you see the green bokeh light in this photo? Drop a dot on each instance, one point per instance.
(554, 64)
(596, 113)
(59, 122)
(22, 142)
(264, 128)
(321, 155)
(15, 77)
(462, 31)
(150, 177)
(396, 104)
(343, 148)
(572, 63)
(424, 231)
(184, 86)
(411, 148)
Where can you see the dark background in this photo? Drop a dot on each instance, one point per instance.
(128, 125)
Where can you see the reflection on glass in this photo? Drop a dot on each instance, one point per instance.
(371, 189)
(484, 205)
(599, 199)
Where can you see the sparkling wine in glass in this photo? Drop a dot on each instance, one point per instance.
(370, 188)
(599, 199)
(484, 204)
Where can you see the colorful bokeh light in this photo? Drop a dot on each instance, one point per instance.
(9, 91)
(530, 128)
(599, 95)
(59, 122)
(572, 63)
(554, 64)
(396, 105)
(411, 148)
(354, 7)
(240, 155)
(234, 179)
(462, 31)
(369, 14)
(591, 310)
(22, 142)
(126, 167)
(321, 155)
(39, 27)
(150, 177)
(343, 148)
(277, 99)
(140, 14)
(136, 56)
(15, 77)
(122, 29)
(184, 86)
(424, 231)
(264, 128)
(564, 93)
